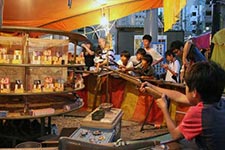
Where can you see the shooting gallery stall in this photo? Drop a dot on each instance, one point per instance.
(124, 94)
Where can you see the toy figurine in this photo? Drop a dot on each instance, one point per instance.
(17, 57)
(18, 87)
(4, 85)
(36, 86)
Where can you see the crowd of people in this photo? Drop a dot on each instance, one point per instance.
(204, 82)
(178, 57)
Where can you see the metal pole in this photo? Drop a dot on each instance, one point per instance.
(1, 12)
(216, 17)
(151, 24)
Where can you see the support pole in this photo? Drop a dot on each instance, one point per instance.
(151, 24)
(1, 12)
(216, 17)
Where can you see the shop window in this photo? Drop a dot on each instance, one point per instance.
(208, 13)
(194, 22)
(193, 13)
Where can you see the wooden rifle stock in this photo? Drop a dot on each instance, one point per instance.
(137, 82)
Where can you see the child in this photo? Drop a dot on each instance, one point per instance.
(157, 58)
(124, 61)
(145, 71)
(205, 120)
(136, 60)
(173, 68)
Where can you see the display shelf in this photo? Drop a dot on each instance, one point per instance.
(42, 65)
(68, 90)
(18, 116)
(15, 106)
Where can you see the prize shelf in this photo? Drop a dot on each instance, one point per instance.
(27, 95)
(14, 103)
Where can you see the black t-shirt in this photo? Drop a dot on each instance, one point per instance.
(89, 59)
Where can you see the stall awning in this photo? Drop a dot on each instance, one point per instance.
(55, 14)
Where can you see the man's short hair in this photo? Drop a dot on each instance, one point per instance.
(208, 79)
(148, 58)
(141, 51)
(125, 54)
(169, 53)
(176, 45)
(147, 37)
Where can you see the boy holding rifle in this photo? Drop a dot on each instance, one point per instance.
(205, 119)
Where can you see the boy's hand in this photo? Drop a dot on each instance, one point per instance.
(143, 85)
(165, 66)
(162, 102)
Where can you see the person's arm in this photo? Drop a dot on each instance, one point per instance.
(158, 61)
(90, 52)
(186, 50)
(157, 57)
(174, 131)
(165, 66)
(172, 94)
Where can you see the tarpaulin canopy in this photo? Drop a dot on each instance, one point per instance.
(56, 14)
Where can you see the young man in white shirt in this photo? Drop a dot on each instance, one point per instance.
(124, 60)
(157, 58)
(173, 68)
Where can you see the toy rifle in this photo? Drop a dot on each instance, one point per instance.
(71, 144)
(137, 82)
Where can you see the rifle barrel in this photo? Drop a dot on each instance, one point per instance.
(154, 93)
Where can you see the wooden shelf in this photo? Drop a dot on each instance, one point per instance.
(41, 65)
(68, 90)
(18, 116)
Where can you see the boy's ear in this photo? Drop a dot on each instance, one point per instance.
(194, 93)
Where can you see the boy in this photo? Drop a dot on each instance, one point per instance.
(173, 68)
(124, 60)
(136, 60)
(205, 120)
(145, 71)
(188, 53)
(157, 58)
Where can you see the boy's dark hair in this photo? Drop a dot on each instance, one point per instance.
(141, 51)
(98, 52)
(208, 79)
(176, 45)
(125, 54)
(148, 58)
(169, 53)
(147, 37)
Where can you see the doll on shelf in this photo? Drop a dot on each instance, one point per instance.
(18, 87)
(47, 58)
(3, 56)
(37, 86)
(4, 85)
(17, 57)
(48, 85)
(79, 81)
(59, 85)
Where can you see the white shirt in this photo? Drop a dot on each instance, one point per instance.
(134, 61)
(175, 66)
(129, 64)
(155, 55)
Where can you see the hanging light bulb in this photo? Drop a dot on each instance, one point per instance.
(104, 21)
(101, 2)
